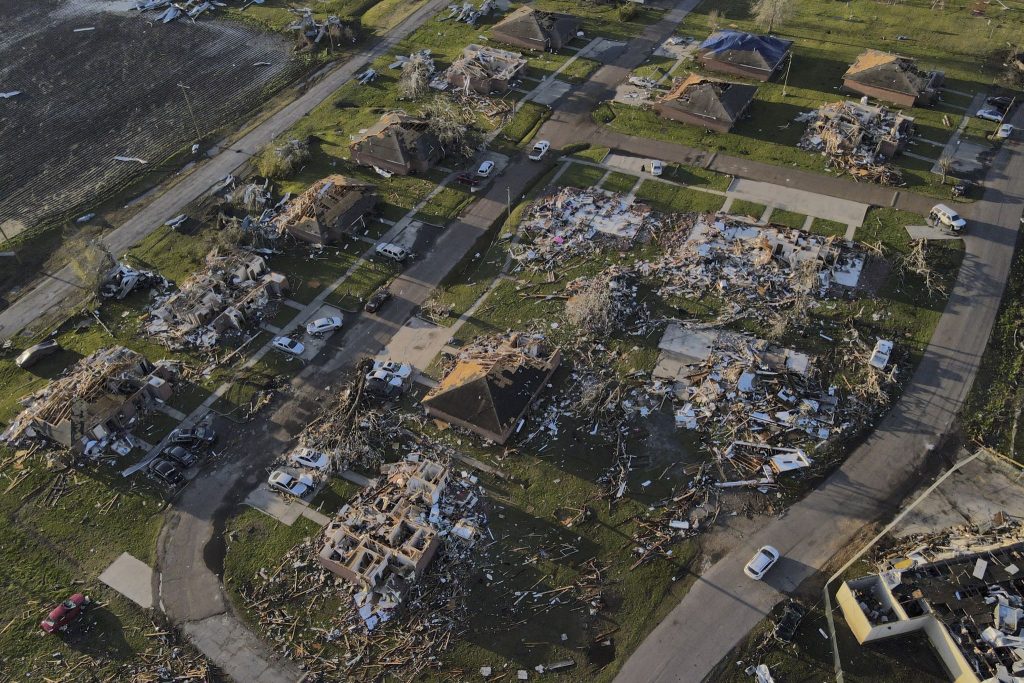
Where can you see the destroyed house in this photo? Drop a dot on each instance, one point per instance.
(231, 294)
(841, 129)
(700, 101)
(533, 29)
(485, 70)
(99, 397)
(331, 208)
(488, 393)
(892, 78)
(969, 606)
(397, 143)
(386, 536)
(744, 54)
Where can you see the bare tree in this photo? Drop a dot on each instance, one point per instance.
(90, 261)
(945, 164)
(414, 82)
(916, 261)
(715, 17)
(451, 128)
(282, 160)
(771, 13)
(593, 307)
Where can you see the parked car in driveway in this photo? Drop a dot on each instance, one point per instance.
(657, 168)
(65, 614)
(200, 435)
(289, 346)
(1002, 103)
(760, 563)
(286, 483)
(1005, 131)
(180, 456)
(989, 114)
(383, 385)
(165, 471)
(539, 150)
(307, 457)
(377, 300)
(403, 370)
(485, 169)
(321, 326)
(37, 352)
(394, 252)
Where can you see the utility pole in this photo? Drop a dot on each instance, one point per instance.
(785, 83)
(508, 202)
(184, 91)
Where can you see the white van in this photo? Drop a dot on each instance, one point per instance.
(942, 216)
(392, 251)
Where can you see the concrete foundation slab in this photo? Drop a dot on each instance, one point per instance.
(132, 578)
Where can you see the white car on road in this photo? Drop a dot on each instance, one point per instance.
(287, 345)
(307, 457)
(485, 169)
(403, 370)
(286, 483)
(539, 150)
(323, 325)
(760, 563)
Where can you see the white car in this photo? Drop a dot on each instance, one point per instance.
(285, 483)
(657, 167)
(539, 150)
(307, 457)
(381, 377)
(1005, 131)
(323, 325)
(485, 169)
(760, 563)
(403, 370)
(287, 345)
(989, 115)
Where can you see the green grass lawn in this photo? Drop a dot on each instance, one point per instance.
(822, 226)
(525, 123)
(619, 182)
(367, 278)
(673, 199)
(595, 154)
(445, 205)
(696, 176)
(742, 207)
(579, 70)
(580, 175)
(788, 218)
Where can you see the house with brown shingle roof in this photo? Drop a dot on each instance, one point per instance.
(331, 208)
(398, 143)
(488, 393)
(701, 101)
(891, 78)
(533, 29)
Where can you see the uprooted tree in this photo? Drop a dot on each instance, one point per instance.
(592, 307)
(770, 14)
(450, 127)
(915, 261)
(89, 260)
(280, 160)
(414, 82)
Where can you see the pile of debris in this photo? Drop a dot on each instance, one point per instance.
(171, 10)
(235, 292)
(328, 210)
(574, 222)
(403, 551)
(122, 280)
(755, 268)
(94, 405)
(761, 399)
(469, 14)
(858, 138)
(485, 70)
(603, 303)
(309, 32)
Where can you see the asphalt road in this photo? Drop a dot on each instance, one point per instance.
(54, 293)
(723, 605)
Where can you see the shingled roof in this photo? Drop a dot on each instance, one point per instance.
(489, 394)
(710, 99)
(535, 30)
(887, 71)
(762, 53)
(396, 140)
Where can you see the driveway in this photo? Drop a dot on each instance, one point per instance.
(723, 605)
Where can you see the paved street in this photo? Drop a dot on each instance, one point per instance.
(724, 604)
(54, 293)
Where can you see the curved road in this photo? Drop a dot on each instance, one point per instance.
(723, 605)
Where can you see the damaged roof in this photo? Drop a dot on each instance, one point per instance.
(888, 71)
(746, 49)
(489, 393)
(718, 100)
(538, 28)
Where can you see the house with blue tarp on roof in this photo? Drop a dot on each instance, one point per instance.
(744, 54)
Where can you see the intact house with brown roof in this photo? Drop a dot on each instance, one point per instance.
(892, 78)
(485, 70)
(398, 143)
(533, 29)
(489, 393)
(744, 54)
(701, 101)
(331, 208)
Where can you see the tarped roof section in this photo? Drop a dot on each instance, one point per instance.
(747, 49)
